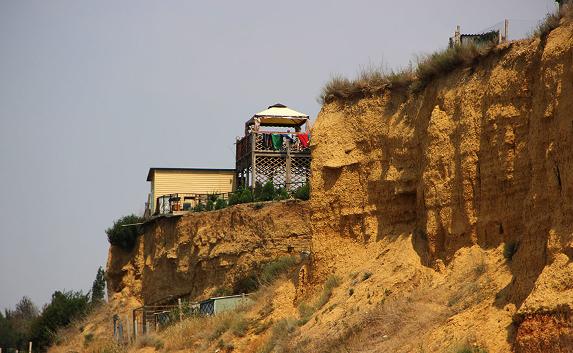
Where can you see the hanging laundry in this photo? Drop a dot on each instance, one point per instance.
(304, 139)
(277, 141)
(288, 137)
(267, 142)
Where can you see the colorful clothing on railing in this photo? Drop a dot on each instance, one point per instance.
(267, 142)
(277, 141)
(304, 139)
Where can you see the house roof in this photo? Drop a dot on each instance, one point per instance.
(279, 115)
(151, 170)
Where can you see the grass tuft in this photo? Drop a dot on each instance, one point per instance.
(441, 63)
(272, 270)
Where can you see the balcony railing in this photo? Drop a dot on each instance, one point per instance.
(185, 202)
(263, 143)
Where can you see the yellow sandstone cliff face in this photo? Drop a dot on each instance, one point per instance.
(196, 254)
(481, 157)
(413, 199)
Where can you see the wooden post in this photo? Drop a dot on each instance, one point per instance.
(30, 347)
(253, 159)
(180, 309)
(127, 329)
(134, 329)
(506, 30)
(288, 163)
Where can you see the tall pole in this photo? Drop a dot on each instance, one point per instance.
(506, 30)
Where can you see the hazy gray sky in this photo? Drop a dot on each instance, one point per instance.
(93, 93)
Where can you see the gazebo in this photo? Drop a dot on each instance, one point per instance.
(275, 148)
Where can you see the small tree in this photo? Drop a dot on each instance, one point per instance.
(63, 308)
(98, 287)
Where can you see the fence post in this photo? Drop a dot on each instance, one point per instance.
(134, 329)
(30, 347)
(127, 328)
(180, 309)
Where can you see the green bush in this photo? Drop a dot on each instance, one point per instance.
(124, 232)
(60, 312)
(200, 207)
(220, 204)
(303, 192)
(210, 205)
(266, 192)
(281, 194)
(242, 195)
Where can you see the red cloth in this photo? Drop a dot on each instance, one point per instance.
(303, 139)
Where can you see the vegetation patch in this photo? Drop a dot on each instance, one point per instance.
(124, 232)
(272, 270)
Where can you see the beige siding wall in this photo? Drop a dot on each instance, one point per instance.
(191, 182)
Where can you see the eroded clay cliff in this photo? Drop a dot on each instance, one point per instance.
(198, 253)
(481, 157)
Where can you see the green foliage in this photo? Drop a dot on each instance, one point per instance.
(213, 197)
(220, 204)
(210, 205)
(123, 234)
(272, 270)
(98, 287)
(303, 192)
(266, 192)
(509, 249)
(200, 207)
(281, 194)
(242, 195)
(15, 324)
(63, 308)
